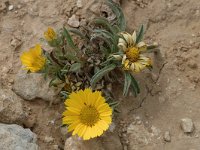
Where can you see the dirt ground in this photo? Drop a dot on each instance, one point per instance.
(170, 92)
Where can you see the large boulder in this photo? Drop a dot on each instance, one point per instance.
(14, 137)
(11, 110)
(31, 86)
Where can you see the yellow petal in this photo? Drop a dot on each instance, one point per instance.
(74, 110)
(102, 125)
(72, 126)
(127, 64)
(87, 134)
(107, 119)
(82, 131)
(77, 128)
(70, 119)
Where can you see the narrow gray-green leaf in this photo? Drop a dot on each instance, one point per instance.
(104, 23)
(135, 85)
(72, 57)
(127, 83)
(79, 33)
(140, 34)
(119, 13)
(68, 38)
(75, 67)
(99, 75)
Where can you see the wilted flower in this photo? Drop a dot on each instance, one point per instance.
(50, 34)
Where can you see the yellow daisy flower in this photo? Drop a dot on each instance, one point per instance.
(87, 114)
(50, 34)
(133, 59)
(33, 60)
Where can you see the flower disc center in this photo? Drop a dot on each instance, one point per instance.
(89, 115)
(132, 54)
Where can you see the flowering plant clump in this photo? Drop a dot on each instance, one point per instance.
(86, 72)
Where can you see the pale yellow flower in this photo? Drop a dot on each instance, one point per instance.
(50, 34)
(33, 60)
(87, 114)
(133, 59)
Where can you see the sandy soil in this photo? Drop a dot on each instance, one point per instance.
(169, 93)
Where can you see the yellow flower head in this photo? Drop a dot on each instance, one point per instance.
(50, 34)
(87, 114)
(133, 59)
(33, 60)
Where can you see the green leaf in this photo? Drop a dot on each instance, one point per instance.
(103, 22)
(79, 33)
(107, 35)
(107, 42)
(54, 82)
(69, 38)
(127, 83)
(140, 34)
(107, 61)
(75, 67)
(99, 75)
(64, 95)
(72, 57)
(119, 13)
(135, 86)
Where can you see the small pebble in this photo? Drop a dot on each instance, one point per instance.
(10, 7)
(167, 136)
(139, 122)
(48, 139)
(79, 3)
(192, 64)
(187, 125)
(73, 21)
(56, 147)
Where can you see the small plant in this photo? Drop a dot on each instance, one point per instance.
(85, 72)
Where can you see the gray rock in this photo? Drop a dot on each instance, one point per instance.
(138, 136)
(187, 125)
(11, 110)
(48, 139)
(14, 137)
(192, 64)
(111, 141)
(79, 4)
(167, 136)
(75, 143)
(10, 7)
(73, 21)
(112, 127)
(33, 85)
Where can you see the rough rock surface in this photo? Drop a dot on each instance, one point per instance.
(14, 137)
(73, 21)
(138, 136)
(74, 143)
(187, 125)
(33, 85)
(167, 136)
(11, 110)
